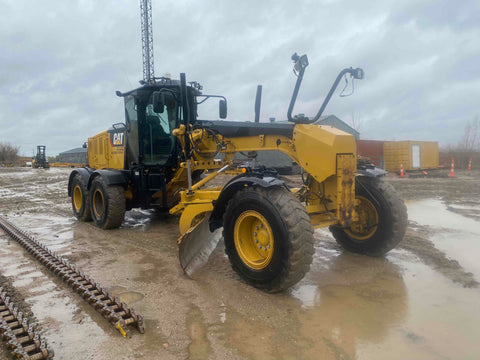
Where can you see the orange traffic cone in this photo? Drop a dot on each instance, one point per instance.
(452, 169)
(401, 169)
(470, 164)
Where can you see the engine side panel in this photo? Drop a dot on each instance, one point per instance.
(317, 148)
(106, 150)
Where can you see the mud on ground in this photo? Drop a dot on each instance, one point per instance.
(17, 299)
(418, 302)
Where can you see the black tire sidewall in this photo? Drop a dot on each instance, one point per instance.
(82, 213)
(99, 184)
(254, 201)
(369, 189)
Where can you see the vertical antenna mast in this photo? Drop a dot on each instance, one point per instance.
(147, 41)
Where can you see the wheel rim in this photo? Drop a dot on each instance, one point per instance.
(98, 203)
(254, 240)
(367, 224)
(77, 198)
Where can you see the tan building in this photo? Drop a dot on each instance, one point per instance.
(412, 154)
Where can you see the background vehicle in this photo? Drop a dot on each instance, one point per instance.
(40, 159)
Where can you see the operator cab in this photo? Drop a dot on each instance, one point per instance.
(152, 112)
(150, 123)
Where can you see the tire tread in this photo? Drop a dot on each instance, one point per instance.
(300, 233)
(86, 215)
(114, 199)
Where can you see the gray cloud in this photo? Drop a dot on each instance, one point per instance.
(61, 62)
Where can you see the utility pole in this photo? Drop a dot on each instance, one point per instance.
(147, 41)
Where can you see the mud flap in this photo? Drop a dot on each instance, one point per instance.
(196, 246)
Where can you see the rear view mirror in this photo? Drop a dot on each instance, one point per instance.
(158, 102)
(222, 108)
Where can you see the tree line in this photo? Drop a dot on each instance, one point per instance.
(467, 148)
(8, 153)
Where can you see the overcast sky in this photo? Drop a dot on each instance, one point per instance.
(61, 62)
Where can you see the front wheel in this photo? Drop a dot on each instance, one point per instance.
(268, 237)
(107, 204)
(382, 219)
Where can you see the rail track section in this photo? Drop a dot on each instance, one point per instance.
(20, 336)
(118, 313)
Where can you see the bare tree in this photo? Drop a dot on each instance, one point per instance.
(470, 139)
(467, 148)
(356, 122)
(8, 153)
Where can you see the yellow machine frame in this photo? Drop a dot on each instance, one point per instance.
(327, 154)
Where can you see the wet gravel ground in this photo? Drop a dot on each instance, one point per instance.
(418, 302)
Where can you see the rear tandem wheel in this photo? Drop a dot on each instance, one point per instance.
(107, 204)
(80, 200)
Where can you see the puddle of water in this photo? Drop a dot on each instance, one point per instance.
(17, 174)
(126, 296)
(200, 347)
(465, 207)
(457, 236)
(54, 231)
(27, 278)
(433, 212)
(441, 323)
(392, 308)
(307, 294)
(42, 286)
(69, 331)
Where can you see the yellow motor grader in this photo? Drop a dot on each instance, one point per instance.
(162, 157)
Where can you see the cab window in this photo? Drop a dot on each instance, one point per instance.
(131, 118)
(158, 141)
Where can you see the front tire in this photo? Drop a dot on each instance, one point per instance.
(268, 237)
(80, 201)
(382, 219)
(107, 204)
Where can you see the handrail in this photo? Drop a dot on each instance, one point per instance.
(301, 62)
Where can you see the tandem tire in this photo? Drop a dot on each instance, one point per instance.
(382, 219)
(107, 204)
(268, 237)
(80, 199)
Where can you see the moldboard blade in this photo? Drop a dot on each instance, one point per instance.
(196, 246)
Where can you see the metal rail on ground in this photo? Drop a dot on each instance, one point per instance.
(20, 336)
(109, 306)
